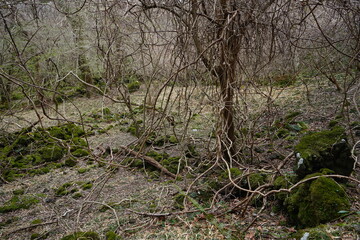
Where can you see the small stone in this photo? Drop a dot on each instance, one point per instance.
(305, 236)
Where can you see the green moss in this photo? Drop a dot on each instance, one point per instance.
(173, 139)
(154, 174)
(39, 171)
(179, 201)
(224, 176)
(74, 130)
(58, 132)
(87, 185)
(282, 182)
(133, 130)
(51, 153)
(172, 164)
(133, 86)
(81, 153)
(256, 180)
(77, 141)
(82, 236)
(191, 151)
(70, 162)
(77, 195)
(35, 236)
(18, 202)
(325, 149)
(159, 141)
(24, 140)
(291, 116)
(19, 191)
(112, 236)
(27, 149)
(83, 170)
(157, 156)
(63, 190)
(36, 221)
(35, 158)
(315, 143)
(282, 133)
(138, 163)
(333, 123)
(106, 111)
(316, 202)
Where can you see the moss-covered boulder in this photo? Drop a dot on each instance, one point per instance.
(52, 153)
(283, 182)
(19, 202)
(31, 147)
(316, 202)
(325, 149)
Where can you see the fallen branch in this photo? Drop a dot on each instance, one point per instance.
(149, 160)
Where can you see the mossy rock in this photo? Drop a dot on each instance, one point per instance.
(80, 153)
(77, 141)
(283, 182)
(315, 202)
(82, 236)
(70, 162)
(28, 149)
(58, 132)
(52, 153)
(325, 149)
(18, 202)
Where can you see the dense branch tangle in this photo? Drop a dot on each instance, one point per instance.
(231, 25)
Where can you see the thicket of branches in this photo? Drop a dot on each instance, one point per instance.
(186, 53)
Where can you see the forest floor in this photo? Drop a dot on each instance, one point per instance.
(134, 204)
